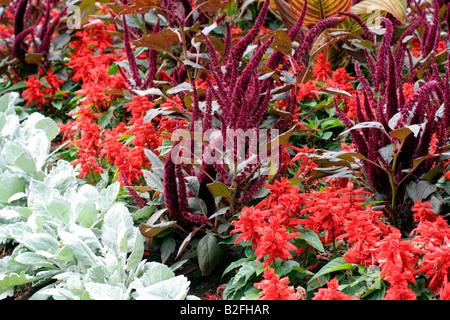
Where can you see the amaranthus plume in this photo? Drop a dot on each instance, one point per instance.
(394, 112)
(21, 31)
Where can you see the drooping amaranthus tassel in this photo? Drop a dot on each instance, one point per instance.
(245, 41)
(175, 196)
(228, 38)
(195, 106)
(425, 138)
(380, 72)
(45, 46)
(260, 109)
(214, 59)
(46, 20)
(368, 35)
(170, 188)
(19, 17)
(132, 192)
(130, 55)
(18, 51)
(240, 87)
(308, 41)
(419, 97)
(432, 39)
(446, 101)
(391, 88)
(208, 115)
(276, 56)
(187, 218)
(152, 62)
(447, 22)
(366, 89)
(242, 81)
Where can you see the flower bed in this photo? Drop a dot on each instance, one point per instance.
(271, 150)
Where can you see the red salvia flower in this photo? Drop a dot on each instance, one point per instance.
(431, 234)
(138, 106)
(331, 292)
(275, 288)
(273, 241)
(396, 258)
(400, 292)
(364, 231)
(34, 92)
(422, 212)
(321, 69)
(444, 294)
(247, 223)
(436, 266)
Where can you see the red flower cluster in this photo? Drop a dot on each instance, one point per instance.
(331, 292)
(268, 224)
(274, 288)
(432, 234)
(41, 93)
(122, 146)
(327, 210)
(338, 212)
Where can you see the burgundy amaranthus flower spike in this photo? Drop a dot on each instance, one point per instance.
(132, 192)
(19, 17)
(130, 55)
(308, 41)
(175, 196)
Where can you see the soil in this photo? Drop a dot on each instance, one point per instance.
(25, 291)
(210, 287)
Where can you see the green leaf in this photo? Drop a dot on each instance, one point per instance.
(138, 251)
(109, 195)
(155, 272)
(312, 238)
(218, 189)
(49, 126)
(363, 125)
(87, 213)
(246, 271)
(13, 279)
(153, 181)
(31, 258)
(59, 208)
(34, 241)
(157, 164)
(209, 254)
(332, 266)
(286, 267)
(234, 265)
(167, 247)
(153, 230)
